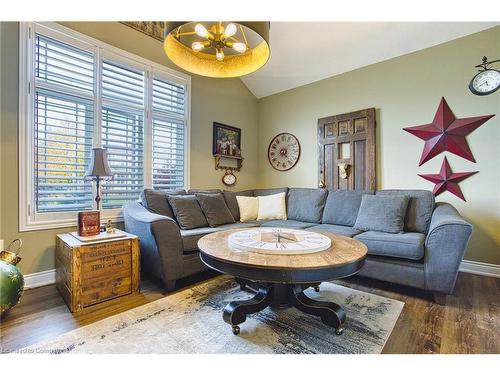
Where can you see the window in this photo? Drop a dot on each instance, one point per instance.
(168, 135)
(81, 93)
(123, 132)
(63, 126)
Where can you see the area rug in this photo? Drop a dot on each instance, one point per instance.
(190, 321)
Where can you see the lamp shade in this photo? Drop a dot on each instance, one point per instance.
(99, 166)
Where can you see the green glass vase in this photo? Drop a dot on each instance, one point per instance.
(11, 282)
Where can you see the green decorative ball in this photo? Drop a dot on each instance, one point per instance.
(11, 286)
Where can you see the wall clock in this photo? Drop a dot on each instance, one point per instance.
(229, 179)
(279, 241)
(283, 151)
(487, 81)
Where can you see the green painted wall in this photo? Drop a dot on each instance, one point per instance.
(405, 91)
(222, 100)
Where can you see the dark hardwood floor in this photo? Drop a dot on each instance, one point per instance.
(468, 321)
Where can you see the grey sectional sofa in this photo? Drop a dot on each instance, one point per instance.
(426, 255)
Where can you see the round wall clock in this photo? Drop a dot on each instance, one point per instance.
(229, 179)
(487, 81)
(283, 151)
(279, 241)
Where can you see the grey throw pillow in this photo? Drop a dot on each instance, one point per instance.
(382, 213)
(306, 204)
(187, 211)
(342, 206)
(420, 208)
(215, 209)
(156, 200)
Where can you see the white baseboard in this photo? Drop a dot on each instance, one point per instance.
(479, 268)
(34, 280)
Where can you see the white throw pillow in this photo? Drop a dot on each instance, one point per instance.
(272, 207)
(249, 208)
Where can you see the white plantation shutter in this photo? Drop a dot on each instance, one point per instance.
(123, 132)
(63, 125)
(168, 114)
(81, 93)
(63, 65)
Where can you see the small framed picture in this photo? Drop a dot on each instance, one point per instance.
(89, 223)
(226, 140)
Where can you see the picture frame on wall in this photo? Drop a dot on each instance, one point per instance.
(226, 140)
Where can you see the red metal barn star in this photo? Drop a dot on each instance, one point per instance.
(447, 180)
(447, 133)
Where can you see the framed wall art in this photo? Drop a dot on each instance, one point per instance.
(226, 140)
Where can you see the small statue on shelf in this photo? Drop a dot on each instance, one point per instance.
(109, 227)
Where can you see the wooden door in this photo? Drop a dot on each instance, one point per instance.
(346, 143)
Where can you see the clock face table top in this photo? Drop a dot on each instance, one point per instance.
(278, 241)
(279, 279)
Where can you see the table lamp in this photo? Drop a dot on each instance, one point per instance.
(98, 170)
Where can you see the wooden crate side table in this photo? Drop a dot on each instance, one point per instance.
(88, 273)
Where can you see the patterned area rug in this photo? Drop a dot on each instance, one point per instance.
(191, 322)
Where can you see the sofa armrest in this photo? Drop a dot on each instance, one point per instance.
(160, 241)
(445, 245)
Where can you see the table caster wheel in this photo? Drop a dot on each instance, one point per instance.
(339, 331)
(316, 289)
(236, 330)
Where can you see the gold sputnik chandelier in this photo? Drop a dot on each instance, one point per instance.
(217, 49)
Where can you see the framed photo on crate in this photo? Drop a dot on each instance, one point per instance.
(89, 223)
(226, 140)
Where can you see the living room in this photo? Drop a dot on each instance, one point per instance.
(298, 185)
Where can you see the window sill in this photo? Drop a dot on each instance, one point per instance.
(28, 225)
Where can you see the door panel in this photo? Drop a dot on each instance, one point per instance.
(360, 162)
(346, 148)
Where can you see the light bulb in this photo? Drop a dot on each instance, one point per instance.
(230, 30)
(197, 46)
(201, 30)
(239, 47)
(219, 55)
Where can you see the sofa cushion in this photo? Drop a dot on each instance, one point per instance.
(272, 207)
(293, 224)
(420, 208)
(187, 211)
(382, 213)
(215, 209)
(232, 203)
(408, 245)
(190, 237)
(156, 200)
(342, 206)
(341, 230)
(272, 191)
(248, 207)
(306, 204)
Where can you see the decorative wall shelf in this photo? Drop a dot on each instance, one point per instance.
(228, 162)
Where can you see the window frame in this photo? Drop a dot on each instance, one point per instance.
(29, 219)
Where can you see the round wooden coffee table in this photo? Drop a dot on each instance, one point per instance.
(279, 280)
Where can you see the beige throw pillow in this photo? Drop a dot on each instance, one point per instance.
(272, 207)
(249, 208)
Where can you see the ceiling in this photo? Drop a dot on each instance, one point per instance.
(305, 52)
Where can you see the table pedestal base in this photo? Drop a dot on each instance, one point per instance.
(282, 296)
